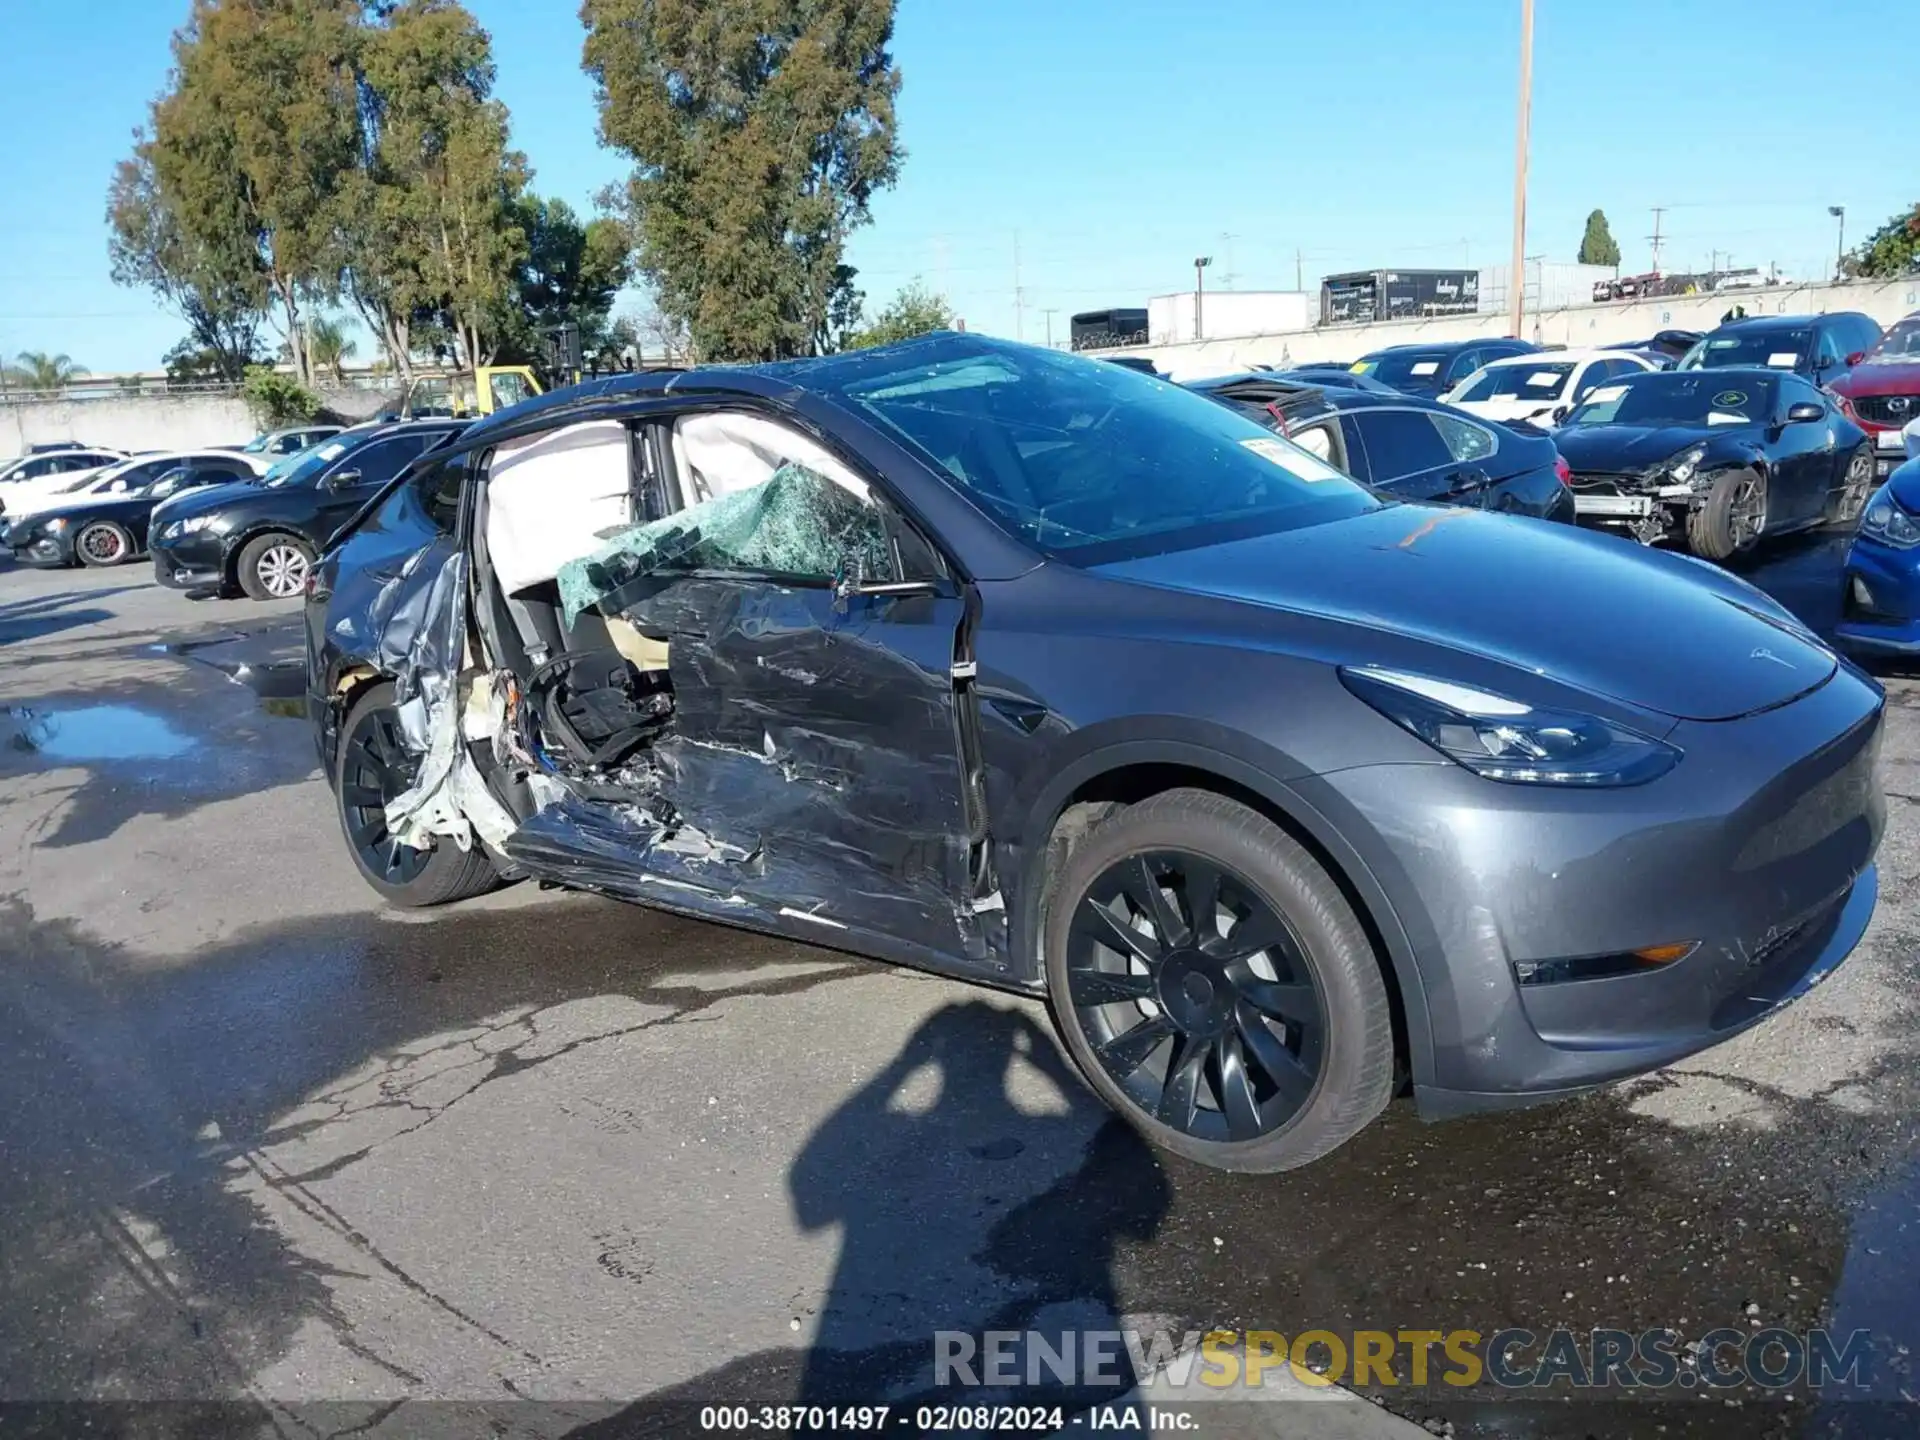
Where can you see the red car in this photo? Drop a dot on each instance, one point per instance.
(1882, 392)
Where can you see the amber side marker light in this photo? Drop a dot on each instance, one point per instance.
(1666, 954)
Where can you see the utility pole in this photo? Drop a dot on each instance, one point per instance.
(1658, 211)
(1200, 264)
(1050, 311)
(1298, 283)
(1019, 295)
(1517, 283)
(1839, 212)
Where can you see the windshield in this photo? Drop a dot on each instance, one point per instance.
(1900, 345)
(303, 467)
(1092, 462)
(167, 483)
(1766, 349)
(1400, 368)
(1521, 382)
(1676, 397)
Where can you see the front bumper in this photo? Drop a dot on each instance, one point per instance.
(1880, 599)
(190, 562)
(52, 550)
(1758, 846)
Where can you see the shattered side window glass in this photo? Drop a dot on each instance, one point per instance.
(796, 526)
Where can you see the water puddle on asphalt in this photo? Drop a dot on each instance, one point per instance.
(92, 732)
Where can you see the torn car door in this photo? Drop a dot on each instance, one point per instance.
(814, 725)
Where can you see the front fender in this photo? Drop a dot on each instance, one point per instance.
(1240, 762)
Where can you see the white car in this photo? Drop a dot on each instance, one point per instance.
(1532, 387)
(34, 497)
(49, 470)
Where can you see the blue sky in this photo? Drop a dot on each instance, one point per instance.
(1114, 140)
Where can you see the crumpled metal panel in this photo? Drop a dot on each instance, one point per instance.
(795, 523)
(820, 742)
(419, 619)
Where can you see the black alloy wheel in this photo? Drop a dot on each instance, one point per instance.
(1196, 996)
(375, 769)
(1214, 984)
(372, 768)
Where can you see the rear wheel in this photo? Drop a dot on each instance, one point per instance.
(1734, 517)
(1845, 504)
(103, 543)
(1214, 986)
(274, 567)
(373, 768)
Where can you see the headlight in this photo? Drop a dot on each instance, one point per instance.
(1503, 739)
(56, 524)
(1681, 466)
(193, 524)
(1886, 522)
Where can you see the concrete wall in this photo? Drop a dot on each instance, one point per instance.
(1574, 325)
(151, 422)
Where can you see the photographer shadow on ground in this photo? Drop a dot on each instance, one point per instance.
(978, 1186)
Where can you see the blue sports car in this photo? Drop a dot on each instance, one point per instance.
(1880, 606)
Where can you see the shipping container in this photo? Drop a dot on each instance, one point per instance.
(1226, 315)
(1364, 295)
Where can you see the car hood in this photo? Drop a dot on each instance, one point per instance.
(200, 500)
(1904, 485)
(1656, 631)
(111, 508)
(1882, 378)
(1628, 448)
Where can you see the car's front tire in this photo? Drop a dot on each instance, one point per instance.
(1734, 517)
(1215, 987)
(372, 768)
(103, 543)
(274, 567)
(1845, 504)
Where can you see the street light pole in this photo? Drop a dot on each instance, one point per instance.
(1839, 212)
(1517, 276)
(1200, 263)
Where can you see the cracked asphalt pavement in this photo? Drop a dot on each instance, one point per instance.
(263, 1142)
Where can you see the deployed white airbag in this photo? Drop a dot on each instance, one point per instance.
(720, 452)
(549, 498)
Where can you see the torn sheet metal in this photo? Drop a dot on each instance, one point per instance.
(420, 620)
(796, 523)
(820, 741)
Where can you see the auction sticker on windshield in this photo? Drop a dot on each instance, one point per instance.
(1606, 393)
(1297, 463)
(1782, 360)
(1425, 367)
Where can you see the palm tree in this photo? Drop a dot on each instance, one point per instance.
(37, 370)
(328, 345)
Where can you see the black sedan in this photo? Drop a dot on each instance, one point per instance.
(259, 539)
(1036, 672)
(1408, 448)
(1715, 459)
(106, 523)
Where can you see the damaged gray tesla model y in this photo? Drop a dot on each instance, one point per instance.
(1044, 674)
